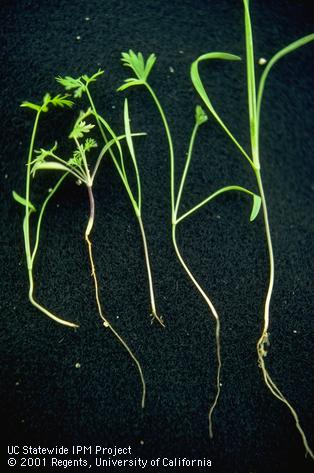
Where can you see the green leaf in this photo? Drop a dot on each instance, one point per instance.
(196, 80)
(251, 87)
(200, 115)
(198, 84)
(129, 83)
(127, 128)
(46, 102)
(76, 159)
(23, 201)
(46, 98)
(48, 166)
(57, 101)
(31, 105)
(256, 207)
(43, 153)
(79, 130)
(69, 83)
(89, 144)
(88, 79)
(149, 64)
(141, 69)
(62, 101)
(283, 52)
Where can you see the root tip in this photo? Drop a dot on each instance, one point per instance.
(155, 316)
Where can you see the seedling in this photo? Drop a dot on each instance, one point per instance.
(31, 250)
(254, 105)
(80, 86)
(78, 165)
(141, 69)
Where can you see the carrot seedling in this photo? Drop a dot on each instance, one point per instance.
(31, 249)
(80, 86)
(255, 96)
(141, 70)
(79, 167)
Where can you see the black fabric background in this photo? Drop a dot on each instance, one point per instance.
(45, 400)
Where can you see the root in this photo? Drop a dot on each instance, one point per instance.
(107, 324)
(218, 376)
(153, 313)
(217, 320)
(261, 352)
(155, 316)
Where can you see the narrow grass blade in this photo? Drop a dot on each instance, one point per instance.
(255, 208)
(251, 87)
(283, 52)
(198, 84)
(132, 152)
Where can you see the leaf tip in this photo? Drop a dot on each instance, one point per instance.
(256, 207)
(200, 115)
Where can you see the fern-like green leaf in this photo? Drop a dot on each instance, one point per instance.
(76, 159)
(31, 105)
(69, 83)
(89, 144)
(61, 101)
(46, 102)
(138, 65)
(149, 64)
(80, 128)
(129, 83)
(93, 78)
(43, 153)
(57, 101)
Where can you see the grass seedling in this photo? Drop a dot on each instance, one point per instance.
(80, 86)
(80, 168)
(141, 71)
(255, 96)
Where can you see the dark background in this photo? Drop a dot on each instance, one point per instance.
(45, 400)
